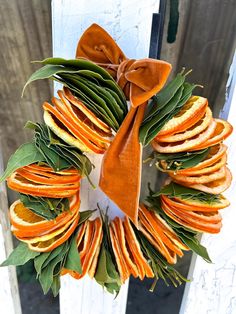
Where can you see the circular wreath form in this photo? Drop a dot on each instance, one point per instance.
(90, 109)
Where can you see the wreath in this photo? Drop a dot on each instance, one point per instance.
(90, 115)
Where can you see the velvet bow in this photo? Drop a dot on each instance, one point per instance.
(120, 177)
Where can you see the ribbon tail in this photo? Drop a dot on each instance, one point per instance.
(120, 177)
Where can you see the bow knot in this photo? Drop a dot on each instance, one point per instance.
(140, 80)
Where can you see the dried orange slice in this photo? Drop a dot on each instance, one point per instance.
(51, 244)
(25, 223)
(120, 235)
(87, 259)
(192, 224)
(67, 131)
(192, 111)
(214, 187)
(195, 205)
(197, 128)
(198, 216)
(202, 177)
(50, 234)
(166, 240)
(215, 154)
(90, 115)
(34, 168)
(89, 239)
(81, 121)
(45, 184)
(120, 260)
(221, 203)
(186, 144)
(222, 131)
(136, 254)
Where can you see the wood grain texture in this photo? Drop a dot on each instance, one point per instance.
(25, 35)
(205, 42)
(9, 293)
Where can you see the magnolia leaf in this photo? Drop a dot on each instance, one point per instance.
(25, 155)
(73, 261)
(20, 255)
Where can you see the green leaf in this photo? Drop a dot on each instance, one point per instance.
(94, 85)
(177, 190)
(196, 247)
(25, 155)
(39, 260)
(73, 261)
(20, 255)
(48, 208)
(106, 274)
(56, 285)
(47, 72)
(85, 215)
(47, 274)
(178, 161)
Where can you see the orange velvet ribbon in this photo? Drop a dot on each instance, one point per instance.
(120, 177)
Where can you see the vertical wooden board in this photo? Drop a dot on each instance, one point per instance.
(213, 286)
(129, 22)
(25, 35)
(205, 42)
(9, 294)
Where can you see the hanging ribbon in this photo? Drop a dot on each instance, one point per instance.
(120, 176)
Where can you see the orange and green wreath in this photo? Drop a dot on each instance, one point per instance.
(90, 115)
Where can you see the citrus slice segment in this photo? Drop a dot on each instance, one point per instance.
(157, 238)
(191, 112)
(195, 205)
(200, 178)
(198, 216)
(23, 184)
(92, 117)
(222, 131)
(136, 252)
(121, 264)
(197, 128)
(193, 225)
(81, 121)
(87, 259)
(49, 245)
(51, 234)
(25, 223)
(186, 144)
(216, 153)
(221, 203)
(161, 231)
(214, 187)
(119, 233)
(64, 129)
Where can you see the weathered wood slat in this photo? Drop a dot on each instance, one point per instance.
(205, 42)
(9, 294)
(25, 35)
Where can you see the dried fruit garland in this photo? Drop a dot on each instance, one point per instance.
(187, 145)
